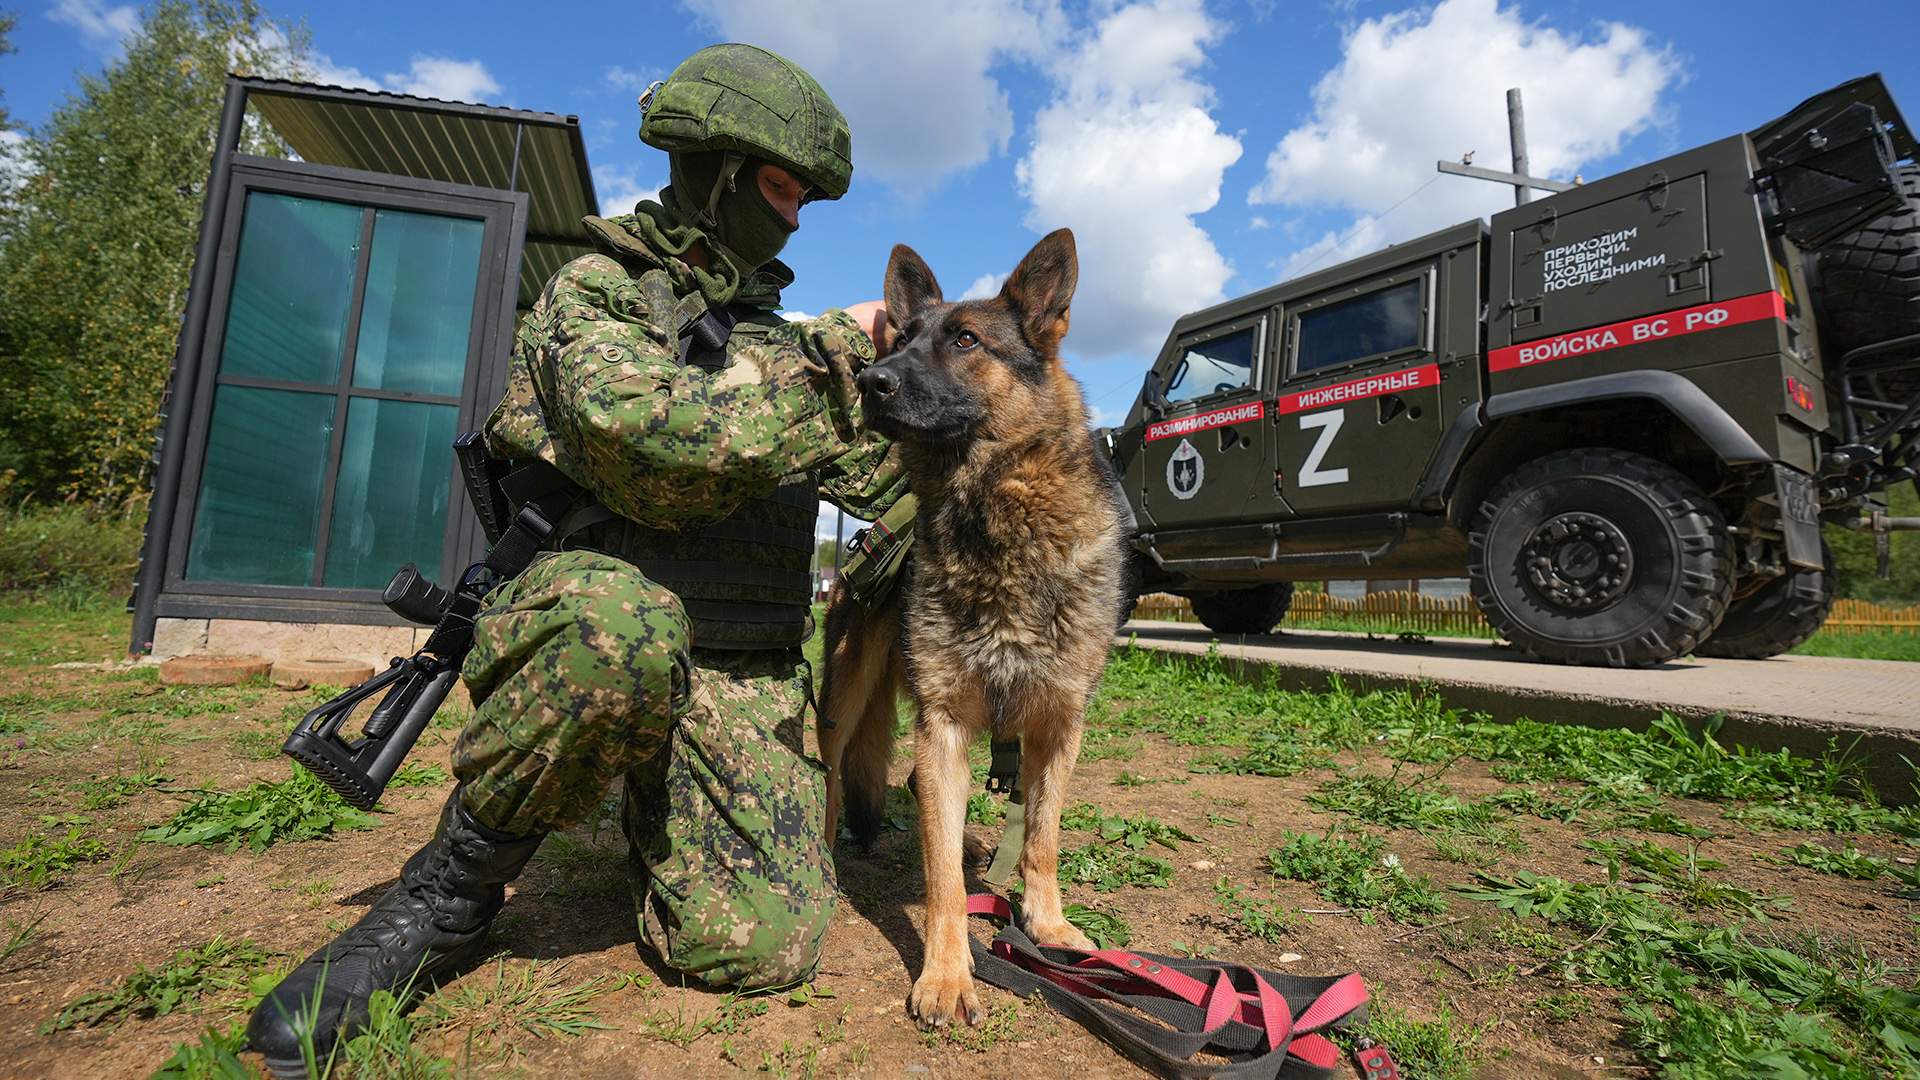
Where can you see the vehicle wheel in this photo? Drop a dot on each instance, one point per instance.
(1870, 281)
(1243, 611)
(1775, 617)
(1132, 580)
(1600, 557)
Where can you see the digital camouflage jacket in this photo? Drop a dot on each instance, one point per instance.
(713, 467)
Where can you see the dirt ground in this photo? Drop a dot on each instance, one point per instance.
(569, 921)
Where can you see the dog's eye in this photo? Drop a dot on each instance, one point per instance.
(965, 340)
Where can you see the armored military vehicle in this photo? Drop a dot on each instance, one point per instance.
(1623, 411)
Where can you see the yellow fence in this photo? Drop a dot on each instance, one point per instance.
(1460, 615)
(1864, 615)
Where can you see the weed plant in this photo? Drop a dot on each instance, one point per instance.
(1107, 867)
(1357, 873)
(221, 966)
(39, 861)
(1108, 931)
(261, 815)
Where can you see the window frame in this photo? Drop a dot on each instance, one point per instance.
(1424, 274)
(503, 216)
(1258, 321)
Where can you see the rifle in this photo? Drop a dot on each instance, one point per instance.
(518, 509)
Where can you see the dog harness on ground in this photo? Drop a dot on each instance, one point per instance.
(1258, 1023)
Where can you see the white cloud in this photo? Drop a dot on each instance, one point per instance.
(795, 315)
(984, 286)
(918, 89)
(625, 78)
(1126, 154)
(619, 187)
(1401, 98)
(1259, 221)
(325, 71)
(446, 78)
(105, 29)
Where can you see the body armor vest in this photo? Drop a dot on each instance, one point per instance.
(747, 579)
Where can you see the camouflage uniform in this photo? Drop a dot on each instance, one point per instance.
(584, 669)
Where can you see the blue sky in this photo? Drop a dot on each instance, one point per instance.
(1198, 150)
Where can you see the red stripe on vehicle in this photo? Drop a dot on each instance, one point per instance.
(1670, 324)
(1206, 421)
(1392, 382)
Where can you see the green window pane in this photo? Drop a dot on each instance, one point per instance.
(419, 307)
(292, 286)
(390, 502)
(259, 505)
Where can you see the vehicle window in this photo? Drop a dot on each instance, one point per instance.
(1384, 321)
(1214, 367)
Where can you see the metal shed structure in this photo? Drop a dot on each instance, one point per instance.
(348, 312)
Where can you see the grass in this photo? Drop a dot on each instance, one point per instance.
(535, 1000)
(1685, 971)
(1357, 874)
(214, 1056)
(261, 815)
(1863, 645)
(1130, 832)
(221, 966)
(1848, 862)
(1708, 1001)
(107, 792)
(1268, 922)
(66, 555)
(1107, 867)
(39, 861)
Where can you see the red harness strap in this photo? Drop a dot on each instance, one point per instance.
(1264, 1024)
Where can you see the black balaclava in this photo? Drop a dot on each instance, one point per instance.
(720, 193)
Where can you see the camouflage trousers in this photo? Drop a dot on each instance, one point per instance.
(582, 672)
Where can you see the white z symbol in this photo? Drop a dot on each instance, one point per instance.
(1311, 474)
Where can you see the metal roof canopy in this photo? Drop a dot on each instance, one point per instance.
(542, 154)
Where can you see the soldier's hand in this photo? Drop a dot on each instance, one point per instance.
(872, 317)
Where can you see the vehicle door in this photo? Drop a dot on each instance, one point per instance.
(1205, 453)
(1358, 415)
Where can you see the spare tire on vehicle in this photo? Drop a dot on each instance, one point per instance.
(1243, 611)
(1870, 280)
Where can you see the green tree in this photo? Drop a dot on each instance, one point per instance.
(97, 239)
(7, 20)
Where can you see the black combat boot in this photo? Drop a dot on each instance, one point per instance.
(431, 921)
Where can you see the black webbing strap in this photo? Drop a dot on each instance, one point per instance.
(1003, 769)
(707, 333)
(539, 495)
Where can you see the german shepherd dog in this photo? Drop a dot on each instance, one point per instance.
(1007, 616)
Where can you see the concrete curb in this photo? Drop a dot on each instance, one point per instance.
(1880, 746)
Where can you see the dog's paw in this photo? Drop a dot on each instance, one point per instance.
(1062, 933)
(942, 996)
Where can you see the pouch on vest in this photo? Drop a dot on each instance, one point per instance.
(877, 554)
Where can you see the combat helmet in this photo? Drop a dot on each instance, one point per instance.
(745, 100)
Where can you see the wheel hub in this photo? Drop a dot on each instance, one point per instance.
(1578, 561)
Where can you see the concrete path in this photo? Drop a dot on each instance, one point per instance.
(1793, 701)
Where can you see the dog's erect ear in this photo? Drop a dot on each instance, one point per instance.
(910, 285)
(1041, 288)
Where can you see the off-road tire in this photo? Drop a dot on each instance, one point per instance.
(1675, 538)
(1133, 578)
(1870, 281)
(1243, 611)
(1777, 616)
